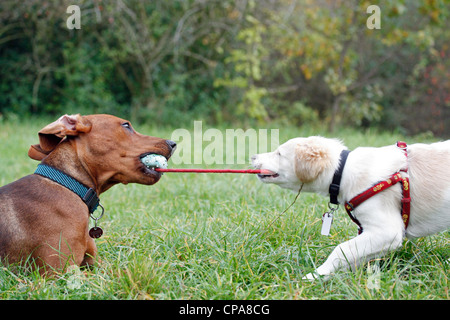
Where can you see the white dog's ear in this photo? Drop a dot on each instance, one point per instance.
(311, 158)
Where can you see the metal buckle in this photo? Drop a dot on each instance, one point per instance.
(331, 208)
(99, 217)
(91, 200)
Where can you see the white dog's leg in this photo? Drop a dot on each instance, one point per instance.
(360, 249)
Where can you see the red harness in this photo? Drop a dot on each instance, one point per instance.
(383, 185)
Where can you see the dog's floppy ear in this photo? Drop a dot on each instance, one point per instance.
(311, 158)
(36, 153)
(51, 135)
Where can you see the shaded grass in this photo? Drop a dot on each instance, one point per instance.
(199, 236)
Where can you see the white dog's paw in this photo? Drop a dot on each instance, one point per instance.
(314, 276)
(311, 276)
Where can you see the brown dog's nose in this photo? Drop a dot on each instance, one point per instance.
(171, 144)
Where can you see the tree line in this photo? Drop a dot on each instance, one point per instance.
(246, 61)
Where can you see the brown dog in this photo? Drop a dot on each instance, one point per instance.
(44, 220)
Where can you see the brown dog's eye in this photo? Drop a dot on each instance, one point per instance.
(127, 126)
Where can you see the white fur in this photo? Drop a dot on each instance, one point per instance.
(315, 159)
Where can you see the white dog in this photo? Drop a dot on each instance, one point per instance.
(313, 162)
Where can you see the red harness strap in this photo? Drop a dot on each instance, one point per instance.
(380, 186)
(406, 200)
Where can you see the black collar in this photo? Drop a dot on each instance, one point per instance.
(88, 195)
(336, 183)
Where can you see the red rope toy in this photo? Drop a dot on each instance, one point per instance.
(253, 171)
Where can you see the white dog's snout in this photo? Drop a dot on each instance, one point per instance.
(266, 161)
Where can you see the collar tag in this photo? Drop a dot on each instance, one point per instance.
(327, 220)
(96, 231)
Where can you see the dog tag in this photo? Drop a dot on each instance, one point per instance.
(95, 232)
(327, 219)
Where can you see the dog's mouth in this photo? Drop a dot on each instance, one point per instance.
(152, 161)
(268, 175)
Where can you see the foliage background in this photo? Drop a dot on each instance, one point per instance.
(240, 61)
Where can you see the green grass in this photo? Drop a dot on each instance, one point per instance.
(211, 236)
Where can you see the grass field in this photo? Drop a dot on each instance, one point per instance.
(210, 236)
